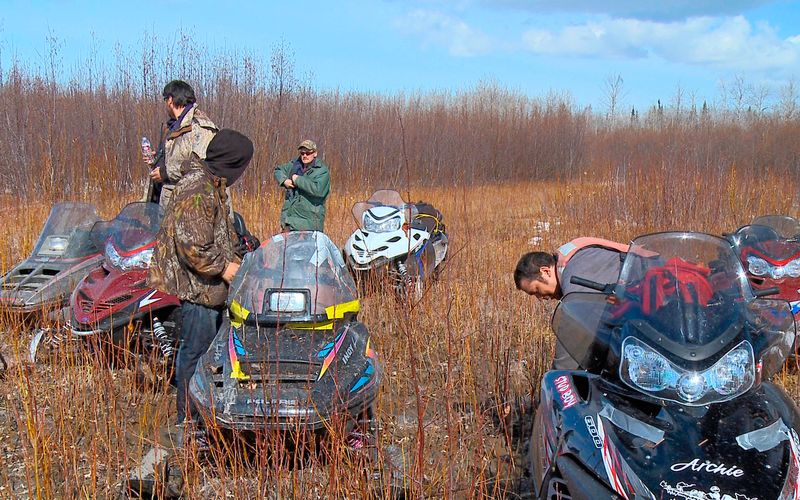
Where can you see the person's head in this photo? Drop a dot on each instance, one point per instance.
(228, 154)
(308, 152)
(177, 95)
(535, 275)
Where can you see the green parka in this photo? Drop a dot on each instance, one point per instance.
(304, 208)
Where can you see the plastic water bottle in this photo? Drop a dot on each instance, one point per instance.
(147, 151)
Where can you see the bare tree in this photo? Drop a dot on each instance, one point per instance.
(614, 94)
(787, 105)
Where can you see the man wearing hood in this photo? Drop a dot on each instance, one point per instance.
(195, 253)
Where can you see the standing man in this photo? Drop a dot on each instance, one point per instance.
(195, 253)
(307, 183)
(547, 276)
(188, 131)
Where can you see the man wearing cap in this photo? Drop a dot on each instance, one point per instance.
(195, 253)
(307, 183)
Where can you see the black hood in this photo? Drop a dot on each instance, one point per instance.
(228, 154)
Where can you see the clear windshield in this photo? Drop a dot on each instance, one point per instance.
(298, 260)
(135, 227)
(383, 198)
(785, 226)
(684, 294)
(688, 286)
(66, 232)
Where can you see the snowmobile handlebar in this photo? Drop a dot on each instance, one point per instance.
(773, 290)
(607, 288)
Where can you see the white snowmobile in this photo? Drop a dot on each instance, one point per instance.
(405, 242)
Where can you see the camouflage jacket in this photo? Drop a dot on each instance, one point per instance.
(192, 136)
(197, 239)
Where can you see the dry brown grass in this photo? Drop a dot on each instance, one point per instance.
(72, 430)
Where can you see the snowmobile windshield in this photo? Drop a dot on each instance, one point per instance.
(129, 238)
(66, 233)
(682, 324)
(385, 211)
(770, 247)
(786, 227)
(295, 276)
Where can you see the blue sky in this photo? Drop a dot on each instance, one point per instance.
(571, 47)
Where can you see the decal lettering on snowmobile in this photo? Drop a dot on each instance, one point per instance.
(349, 352)
(598, 443)
(708, 466)
(564, 388)
(687, 491)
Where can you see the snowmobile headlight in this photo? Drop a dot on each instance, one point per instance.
(644, 369)
(757, 266)
(777, 272)
(648, 369)
(287, 302)
(53, 246)
(793, 268)
(734, 371)
(386, 226)
(138, 260)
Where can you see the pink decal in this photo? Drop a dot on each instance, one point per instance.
(564, 388)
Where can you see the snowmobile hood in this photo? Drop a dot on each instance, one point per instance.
(747, 448)
(257, 377)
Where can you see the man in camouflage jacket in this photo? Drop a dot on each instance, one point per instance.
(195, 255)
(188, 131)
(308, 183)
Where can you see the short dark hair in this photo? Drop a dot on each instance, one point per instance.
(529, 265)
(181, 92)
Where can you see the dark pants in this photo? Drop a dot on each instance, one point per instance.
(199, 326)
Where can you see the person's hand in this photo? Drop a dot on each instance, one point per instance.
(294, 178)
(155, 175)
(288, 184)
(230, 272)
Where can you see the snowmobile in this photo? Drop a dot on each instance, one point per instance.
(291, 353)
(674, 400)
(113, 301)
(39, 287)
(406, 241)
(769, 248)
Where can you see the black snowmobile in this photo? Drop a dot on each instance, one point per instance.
(291, 353)
(675, 401)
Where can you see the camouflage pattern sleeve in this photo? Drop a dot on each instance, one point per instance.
(194, 234)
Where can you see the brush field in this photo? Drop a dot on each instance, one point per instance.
(510, 173)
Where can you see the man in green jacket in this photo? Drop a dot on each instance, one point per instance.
(308, 184)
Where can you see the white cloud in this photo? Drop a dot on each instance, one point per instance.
(728, 42)
(671, 10)
(435, 28)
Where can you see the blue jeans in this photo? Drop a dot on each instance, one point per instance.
(198, 329)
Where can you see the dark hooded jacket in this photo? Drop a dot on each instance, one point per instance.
(197, 239)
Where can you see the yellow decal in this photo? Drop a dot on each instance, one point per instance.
(238, 314)
(334, 312)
